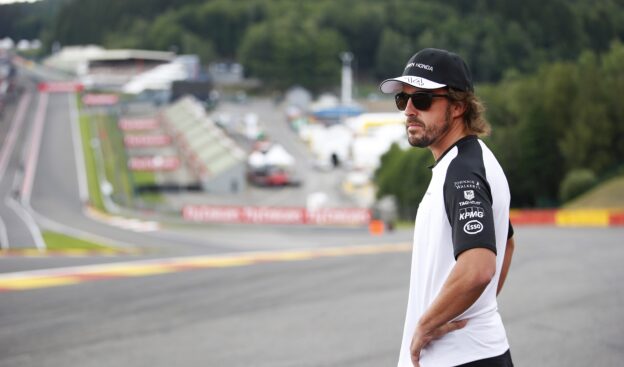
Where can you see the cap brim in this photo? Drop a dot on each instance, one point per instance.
(395, 85)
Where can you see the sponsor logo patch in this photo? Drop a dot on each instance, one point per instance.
(473, 227)
(470, 213)
(467, 184)
(469, 202)
(415, 81)
(419, 65)
(469, 194)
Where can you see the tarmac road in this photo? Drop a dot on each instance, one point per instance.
(561, 306)
(16, 227)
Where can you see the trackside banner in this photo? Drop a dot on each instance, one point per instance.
(275, 215)
(61, 87)
(146, 141)
(93, 99)
(156, 163)
(138, 124)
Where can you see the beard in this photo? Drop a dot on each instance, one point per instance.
(427, 134)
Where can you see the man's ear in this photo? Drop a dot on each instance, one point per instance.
(458, 109)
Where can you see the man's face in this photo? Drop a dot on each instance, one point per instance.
(426, 127)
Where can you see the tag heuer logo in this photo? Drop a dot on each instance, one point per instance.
(469, 194)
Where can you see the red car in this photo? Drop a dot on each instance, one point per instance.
(270, 176)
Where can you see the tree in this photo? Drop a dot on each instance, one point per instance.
(393, 52)
(286, 52)
(405, 175)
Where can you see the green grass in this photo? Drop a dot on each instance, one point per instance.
(143, 178)
(95, 195)
(152, 198)
(114, 160)
(59, 241)
(404, 224)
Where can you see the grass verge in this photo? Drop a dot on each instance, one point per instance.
(102, 129)
(95, 195)
(57, 241)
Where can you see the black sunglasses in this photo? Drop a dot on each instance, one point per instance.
(421, 100)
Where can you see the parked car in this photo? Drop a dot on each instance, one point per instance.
(271, 176)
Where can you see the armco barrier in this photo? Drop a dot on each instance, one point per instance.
(276, 215)
(568, 217)
(362, 217)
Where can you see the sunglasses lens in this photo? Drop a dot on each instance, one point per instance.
(401, 100)
(422, 101)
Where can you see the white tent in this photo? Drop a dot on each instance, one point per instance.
(276, 155)
(256, 159)
(328, 142)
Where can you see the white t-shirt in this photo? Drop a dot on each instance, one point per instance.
(466, 206)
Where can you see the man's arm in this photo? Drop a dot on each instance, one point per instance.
(506, 263)
(471, 274)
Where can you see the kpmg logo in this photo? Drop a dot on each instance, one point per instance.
(473, 227)
(470, 213)
(469, 194)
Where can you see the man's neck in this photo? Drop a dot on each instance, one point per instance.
(456, 132)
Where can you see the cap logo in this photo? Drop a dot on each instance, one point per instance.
(415, 81)
(419, 65)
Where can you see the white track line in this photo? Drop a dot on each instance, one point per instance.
(78, 149)
(16, 127)
(33, 152)
(74, 231)
(29, 174)
(7, 149)
(30, 222)
(4, 238)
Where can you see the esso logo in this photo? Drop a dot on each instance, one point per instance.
(473, 227)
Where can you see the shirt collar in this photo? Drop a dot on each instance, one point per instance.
(458, 142)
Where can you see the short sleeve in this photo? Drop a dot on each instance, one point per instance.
(510, 231)
(468, 204)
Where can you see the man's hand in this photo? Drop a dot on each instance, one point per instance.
(422, 338)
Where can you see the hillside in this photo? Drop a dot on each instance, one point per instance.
(609, 195)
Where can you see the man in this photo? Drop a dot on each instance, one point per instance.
(462, 238)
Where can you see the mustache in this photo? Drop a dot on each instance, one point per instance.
(413, 120)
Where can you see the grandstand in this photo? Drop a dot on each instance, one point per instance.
(211, 154)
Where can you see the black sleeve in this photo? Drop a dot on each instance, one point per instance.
(468, 202)
(510, 231)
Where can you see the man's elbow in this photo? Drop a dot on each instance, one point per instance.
(482, 265)
(485, 274)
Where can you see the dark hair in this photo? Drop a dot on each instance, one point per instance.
(474, 115)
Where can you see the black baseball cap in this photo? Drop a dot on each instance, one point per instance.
(432, 68)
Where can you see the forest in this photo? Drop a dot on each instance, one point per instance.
(550, 72)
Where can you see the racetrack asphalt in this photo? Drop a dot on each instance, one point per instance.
(561, 307)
